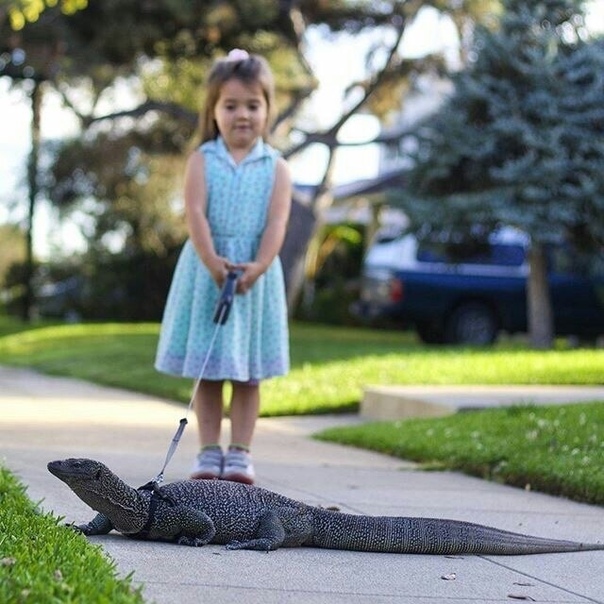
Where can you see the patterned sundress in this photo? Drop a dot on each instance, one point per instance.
(253, 344)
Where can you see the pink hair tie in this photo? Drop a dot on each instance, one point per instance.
(237, 54)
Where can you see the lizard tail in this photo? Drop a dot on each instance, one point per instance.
(429, 536)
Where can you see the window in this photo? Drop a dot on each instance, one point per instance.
(471, 252)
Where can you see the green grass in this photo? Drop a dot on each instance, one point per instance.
(43, 562)
(330, 365)
(554, 449)
(557, 449)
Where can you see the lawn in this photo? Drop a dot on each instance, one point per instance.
(555, 449)
(330, 365)
(43, 561)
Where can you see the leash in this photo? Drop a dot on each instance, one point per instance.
(221, 314)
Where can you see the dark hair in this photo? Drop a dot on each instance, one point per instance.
(248, 69)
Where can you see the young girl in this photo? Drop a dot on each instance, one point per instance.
(237, 200)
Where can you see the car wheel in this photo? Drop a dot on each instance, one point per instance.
(473, 324)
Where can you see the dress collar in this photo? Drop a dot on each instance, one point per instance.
(257, 151)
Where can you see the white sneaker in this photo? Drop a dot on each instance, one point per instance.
(238, 467)
(208, 463)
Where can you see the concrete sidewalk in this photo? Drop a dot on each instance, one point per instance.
(44, 418)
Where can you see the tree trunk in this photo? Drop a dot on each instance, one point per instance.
(32, 182)
(299, 232)
(539, 306)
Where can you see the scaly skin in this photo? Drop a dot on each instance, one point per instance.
(196, 512)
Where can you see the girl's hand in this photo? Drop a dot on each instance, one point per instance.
(250, 271)
(219, 269)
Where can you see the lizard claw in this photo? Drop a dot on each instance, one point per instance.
(84, 529)
(191, 541)
(260, 545)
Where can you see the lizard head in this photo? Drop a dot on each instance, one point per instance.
(96, 485)
(72, 471)
(88, 473)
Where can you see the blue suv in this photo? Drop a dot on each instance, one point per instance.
(468, 292)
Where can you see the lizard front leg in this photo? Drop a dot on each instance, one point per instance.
(187, 526)
(99, 525)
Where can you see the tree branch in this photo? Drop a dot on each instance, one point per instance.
(170, 108)
(329, 137)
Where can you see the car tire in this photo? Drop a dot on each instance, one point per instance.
(473, 324)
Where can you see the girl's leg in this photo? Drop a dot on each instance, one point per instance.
(245, 406)
(208, 408)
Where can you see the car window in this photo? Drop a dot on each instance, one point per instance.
(471, 253)
(507, 255)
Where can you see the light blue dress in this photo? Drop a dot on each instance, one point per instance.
(253, 344)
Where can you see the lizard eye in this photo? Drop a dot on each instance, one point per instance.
(97, 476)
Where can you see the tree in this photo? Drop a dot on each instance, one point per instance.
(519, 142)
(21, 12)
(35, 68)
(82, 55)
(162, 50)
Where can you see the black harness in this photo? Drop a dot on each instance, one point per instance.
(156, 497)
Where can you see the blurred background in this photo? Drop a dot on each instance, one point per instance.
(397, 117)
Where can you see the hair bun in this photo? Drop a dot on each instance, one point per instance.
(237, 54)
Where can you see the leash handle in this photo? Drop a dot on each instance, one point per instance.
(173, 445)
(227, 295)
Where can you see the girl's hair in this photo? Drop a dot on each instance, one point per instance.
(248, 69)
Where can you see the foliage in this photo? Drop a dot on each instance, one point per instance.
(121, 168)
(20, 12)
(134, 202)
(122, 287)
(12, 249)
(330, 365)
(335, 244)
(333, 264)
(554, 449)
(42, 561)
(128, 286)
(519, 142)
(98, 285)
(159, 52)
(14, 290)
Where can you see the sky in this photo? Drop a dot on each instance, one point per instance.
(429, 33)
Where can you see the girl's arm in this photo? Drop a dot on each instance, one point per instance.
(197, 222)
(274, 232)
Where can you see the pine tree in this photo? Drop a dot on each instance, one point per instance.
(521, 141)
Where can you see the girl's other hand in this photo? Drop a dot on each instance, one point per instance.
(250, 271)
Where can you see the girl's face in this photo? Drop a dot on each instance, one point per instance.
(241, 114)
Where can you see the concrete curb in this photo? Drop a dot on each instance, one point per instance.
(398, 402)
